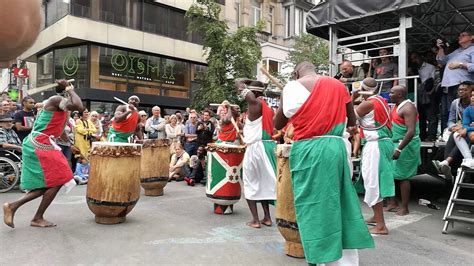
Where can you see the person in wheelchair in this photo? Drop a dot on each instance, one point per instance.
(9, 140)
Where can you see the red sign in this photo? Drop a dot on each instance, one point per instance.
(20, 72)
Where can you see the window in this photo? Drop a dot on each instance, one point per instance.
(81, 8)
(299, 21)
(124, 13)
(287, 22)
(237, 13)
(71, 63)
(55, 10)
(122, 70)
(45, 69)
(255, 12)
(273, 66)
(155, 19)
(271, 15)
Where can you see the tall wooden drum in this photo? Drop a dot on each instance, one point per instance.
(114, 180)
(285, 209)
(224, 172)
(154, 165)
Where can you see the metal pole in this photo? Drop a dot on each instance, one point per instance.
(333, 51)
(402, 56)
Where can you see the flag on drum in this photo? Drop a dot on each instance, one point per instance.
(224, 171)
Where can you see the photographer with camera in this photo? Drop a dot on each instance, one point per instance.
(85, 131)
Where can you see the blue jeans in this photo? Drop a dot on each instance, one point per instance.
(191, 147)
(67, 153)
(446, 100)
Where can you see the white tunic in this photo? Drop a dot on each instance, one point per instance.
(258, 173)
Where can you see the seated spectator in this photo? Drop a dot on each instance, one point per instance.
(466, 134)
(452, 154)
(8, 137)
(196, 168)
(179, 159)
(459, 67)
(81, 175)
(5, 108)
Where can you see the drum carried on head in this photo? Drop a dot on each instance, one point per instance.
(113, 188)
(224, 172)
(154, 165)
(285, 209)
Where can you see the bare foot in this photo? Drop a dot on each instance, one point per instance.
(42, 223)
(266, 222)
(8, 214)
(402, 212)
(253, 224)
(378, 230)
(391, 208)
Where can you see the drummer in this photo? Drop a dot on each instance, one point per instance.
(227, 133)
(126, 122)
(259, 165)
(44, 168)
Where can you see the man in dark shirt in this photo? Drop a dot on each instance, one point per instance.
(205, 129)
(25, 118)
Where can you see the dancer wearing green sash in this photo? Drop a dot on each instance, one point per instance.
(406, 157)
(327, 209)
(44, 168)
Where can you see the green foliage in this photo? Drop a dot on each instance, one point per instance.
(229, 56)
(310, 48)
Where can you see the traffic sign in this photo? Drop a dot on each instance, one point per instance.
(20, 72)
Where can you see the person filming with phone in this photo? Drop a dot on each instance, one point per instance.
(459, 67)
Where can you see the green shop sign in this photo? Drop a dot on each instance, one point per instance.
(142, 67)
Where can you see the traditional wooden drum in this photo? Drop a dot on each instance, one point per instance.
(224, 171)
(285, 209)
(113, 188)
(155, 165)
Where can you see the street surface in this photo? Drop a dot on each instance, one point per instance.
(180, 228)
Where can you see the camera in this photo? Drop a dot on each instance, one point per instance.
(338, 75)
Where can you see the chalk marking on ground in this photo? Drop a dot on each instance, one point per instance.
(234, 233)
(69, 200)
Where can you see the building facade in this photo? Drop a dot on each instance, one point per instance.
(283, 20)
(118, 48)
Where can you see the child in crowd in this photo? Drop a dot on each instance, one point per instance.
(81, 175)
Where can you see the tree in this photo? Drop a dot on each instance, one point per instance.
(229, 56)
(313, 49)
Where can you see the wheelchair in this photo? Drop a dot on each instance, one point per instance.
(10, 169)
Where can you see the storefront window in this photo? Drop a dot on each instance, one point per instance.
(120, 70)
(71, 63)
(45, 69)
